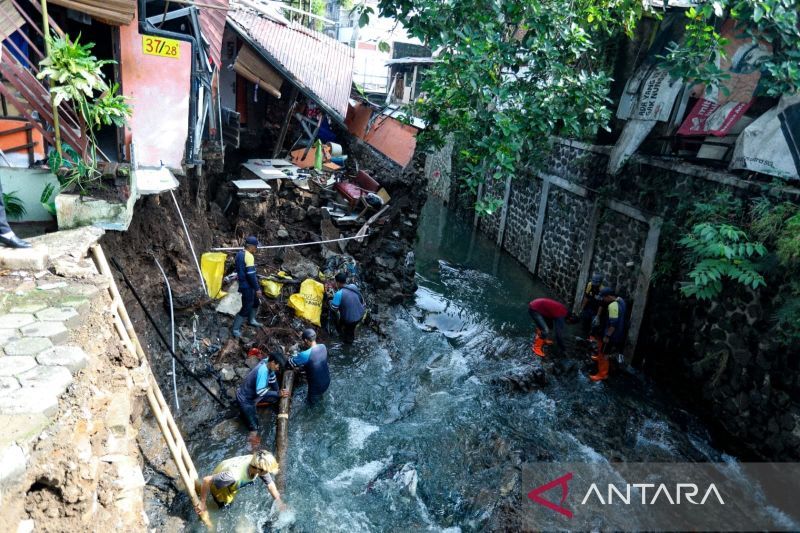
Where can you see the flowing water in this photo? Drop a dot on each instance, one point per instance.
(417, 431)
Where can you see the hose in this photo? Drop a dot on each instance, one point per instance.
(172, 334)
(189, 239)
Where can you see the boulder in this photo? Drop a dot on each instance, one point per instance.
(298, 266)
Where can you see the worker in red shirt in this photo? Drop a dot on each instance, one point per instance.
(547, 314)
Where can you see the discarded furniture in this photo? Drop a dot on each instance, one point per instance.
(362, 185)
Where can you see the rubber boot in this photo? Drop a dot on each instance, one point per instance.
(538, 343)
(236, 330)
(253, 321)
(599, 344)
(602, 368)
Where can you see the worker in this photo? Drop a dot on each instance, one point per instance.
(7, 236)
(547, 314)
(248, 286)
(314, 361)
(614, 332)
(350, 305)
(590, 305)
(260, 386)
(232, 474)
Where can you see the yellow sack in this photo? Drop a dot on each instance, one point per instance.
(307, 304)
(273, 288)
(212, 264)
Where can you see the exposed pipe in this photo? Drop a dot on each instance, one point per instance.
(294, 244)
(189, 238)
(161, 335)
(172, 334)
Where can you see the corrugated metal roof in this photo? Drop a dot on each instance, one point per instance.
(212, 24)
(318, 64)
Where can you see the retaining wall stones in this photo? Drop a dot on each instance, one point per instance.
(521, 217)
(619, 247)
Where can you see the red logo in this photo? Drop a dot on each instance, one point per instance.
(558, 482)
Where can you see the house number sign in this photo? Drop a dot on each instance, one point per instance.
(159, 46)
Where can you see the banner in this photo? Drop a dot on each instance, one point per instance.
(711, 118)
(770, 144)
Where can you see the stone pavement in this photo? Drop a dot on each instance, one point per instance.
(38, 356)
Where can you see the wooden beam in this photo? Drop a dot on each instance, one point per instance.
(282, 429)
(588, 252)
(285, 127)
(504, 212)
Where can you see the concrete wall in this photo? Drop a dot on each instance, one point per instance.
(724, 355)
(28, 185)
(158, 88)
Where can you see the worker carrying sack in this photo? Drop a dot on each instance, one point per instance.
(307, 304)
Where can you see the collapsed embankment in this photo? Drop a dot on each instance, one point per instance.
(384, 259)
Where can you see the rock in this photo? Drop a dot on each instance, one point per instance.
(298, 266)
(251, 362)
(227, 373)
(16, 320)
(242, 372)
(16, 364)
(386, 262)
(27, 346)
(118, 414)
(68, 315)
(314, 213)
(282, 233)
(12, 464)
(72, 357)
(26, 526)
(71, 269)
(231, 302)
(55, 331)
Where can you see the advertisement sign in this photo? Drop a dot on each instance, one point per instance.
(711, 118)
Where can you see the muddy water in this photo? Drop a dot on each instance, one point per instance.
(416, 433)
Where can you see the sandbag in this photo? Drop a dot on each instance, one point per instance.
(273, 288)
(212, 265)
(307, 304)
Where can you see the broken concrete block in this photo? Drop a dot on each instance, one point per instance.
(55, 331)
(227, 373)
(230, 303)
(118, 414)
(72, 357)
(34, 258)
(67, 315)
(53, 379)
(30, 401)
(27, 346)
(16, 320)
(28, 308)
(16, 364)
(12, 464)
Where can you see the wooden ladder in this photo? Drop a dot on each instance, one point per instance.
(159, 406)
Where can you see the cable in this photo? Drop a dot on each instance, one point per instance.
(161, 335)
(295, 244)
(172, 331)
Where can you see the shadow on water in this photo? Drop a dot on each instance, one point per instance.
(415, 433)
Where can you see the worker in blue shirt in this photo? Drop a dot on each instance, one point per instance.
(314, 361)
(260, 386)
(350, 306)
(248, 286)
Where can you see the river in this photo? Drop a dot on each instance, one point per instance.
(418, 430)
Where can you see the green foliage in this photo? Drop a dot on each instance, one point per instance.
(716, 252)
(779, 223)
(488, 206)
(75, 76)
(48, 198)
(15, 208)
(774, 21)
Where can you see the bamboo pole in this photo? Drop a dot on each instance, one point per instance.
(56, 127)
(159, 406)
(282, 429)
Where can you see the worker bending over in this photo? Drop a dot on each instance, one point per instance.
(350, 306)
(590, 305)
(248, 286)
(614, 332)
(232, 474)
(547, 314)
(260, 386)
(314, 361)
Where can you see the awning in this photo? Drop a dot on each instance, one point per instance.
(115, 12)
(256, 70)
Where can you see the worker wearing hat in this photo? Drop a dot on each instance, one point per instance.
(248, 286)
(590, 305)
(614, 332)
(314, 361)
(232, 474)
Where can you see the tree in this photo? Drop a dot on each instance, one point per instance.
(512, 73)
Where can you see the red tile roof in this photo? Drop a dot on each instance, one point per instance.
(212, 24)
(320, 66)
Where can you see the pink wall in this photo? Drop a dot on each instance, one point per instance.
(158, 89)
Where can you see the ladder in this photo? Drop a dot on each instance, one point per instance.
(159, 406)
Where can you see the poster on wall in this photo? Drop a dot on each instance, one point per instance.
(771, 144)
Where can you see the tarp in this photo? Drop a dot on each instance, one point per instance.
(771, 144)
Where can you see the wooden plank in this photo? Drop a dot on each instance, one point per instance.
(588, 252)
(538, 231)
(643, 286)
(504, 213)
(115, 12)
(282, 429)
